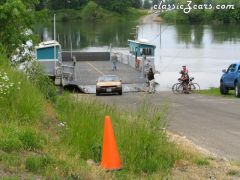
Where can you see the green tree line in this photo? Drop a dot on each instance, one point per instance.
(226, 15)
(112, 5)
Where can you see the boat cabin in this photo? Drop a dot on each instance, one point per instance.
(48, 54)
(141, 48)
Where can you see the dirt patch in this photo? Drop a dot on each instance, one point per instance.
(200, 163)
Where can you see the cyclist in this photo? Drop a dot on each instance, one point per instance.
(184, 78)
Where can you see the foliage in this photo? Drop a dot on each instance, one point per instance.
(9, 140)
(92, 11)
(142, 144)
(22, 101)
(30, 140)
(36, 164)
(115, 5)
(146, 4)
(20, 14)
(136, 3)
(205, 15)
(63, 4)
(41, 81)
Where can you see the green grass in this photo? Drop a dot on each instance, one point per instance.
(216, 92)
(9, 178)
(233, 173)
(36, 163)
(201, 161)
(10, 160)
(142, 144)
(9, 140)
(32, 141)
(23, 103)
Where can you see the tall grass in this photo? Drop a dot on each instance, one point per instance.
(142, 143)
(23, 102)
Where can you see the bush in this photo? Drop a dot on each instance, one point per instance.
(92, 11)
(41, 81)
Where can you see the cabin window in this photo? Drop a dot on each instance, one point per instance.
(147, 51)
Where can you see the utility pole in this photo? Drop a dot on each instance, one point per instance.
(160, 34)
(54, 38)
(136, 35)
(71, 45)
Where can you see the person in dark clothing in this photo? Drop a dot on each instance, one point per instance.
(185, 78)
(151, 81)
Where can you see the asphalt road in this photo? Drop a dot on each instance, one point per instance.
(88, 72)
(212, 123)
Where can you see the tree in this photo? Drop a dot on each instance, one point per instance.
(136, 3)
(146, 4)
(120, 6)
(66, 4)
(41, 5)
(16, 25)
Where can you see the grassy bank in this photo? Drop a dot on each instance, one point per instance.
(43, 134)
(216, 92)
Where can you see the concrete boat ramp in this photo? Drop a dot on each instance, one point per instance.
(87, 72)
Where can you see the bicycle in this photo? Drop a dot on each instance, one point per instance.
(179, 88)
(146, 87)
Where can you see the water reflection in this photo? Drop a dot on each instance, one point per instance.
(205, 49)
(226, 33)
(88, 34)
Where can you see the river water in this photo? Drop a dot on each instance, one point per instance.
(205, 49)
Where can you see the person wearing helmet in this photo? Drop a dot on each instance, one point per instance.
(184, 78)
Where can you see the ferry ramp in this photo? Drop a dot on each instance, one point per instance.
(87, 72)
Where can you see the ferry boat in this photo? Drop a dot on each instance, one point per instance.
(143, 52)
(139, 56)
(49, 56)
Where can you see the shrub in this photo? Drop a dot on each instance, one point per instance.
(41, 81)
(92, 11)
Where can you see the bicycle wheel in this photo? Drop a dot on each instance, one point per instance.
(177, 88)
(194, 87)
(174, 88)
(180, 88)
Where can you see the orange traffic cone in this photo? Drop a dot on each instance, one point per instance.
(110, 155)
